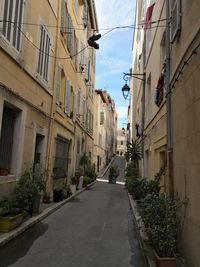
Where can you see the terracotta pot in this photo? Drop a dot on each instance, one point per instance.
(3, 171)
(46, 199)
(165, 261)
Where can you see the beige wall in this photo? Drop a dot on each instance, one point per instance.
(34, 98)
(155, 117)
(186, 130)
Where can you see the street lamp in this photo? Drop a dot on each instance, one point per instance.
(126, 77)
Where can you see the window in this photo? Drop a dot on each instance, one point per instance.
(43, 60)
(67, 96)
(85, 14)
(175, 19)
(11, 130)
(61, 158)
(79, 102)
(122, 143)
(76, 7)
(101, 118)
(12, 12)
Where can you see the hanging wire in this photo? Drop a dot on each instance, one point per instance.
(132, 26)
(183, 67)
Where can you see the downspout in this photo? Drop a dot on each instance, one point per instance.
(50, 136)
(143, 99)
(168, 107)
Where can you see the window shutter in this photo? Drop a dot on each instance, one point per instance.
(63, 14)
(84, 111)
(87, 69)
(85, 14)
(75, 107)
(79, 102)
(67, 96)
(58, 83)
(101, 118)
(175, 20)
(81, 65)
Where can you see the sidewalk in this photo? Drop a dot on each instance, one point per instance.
(45, 210)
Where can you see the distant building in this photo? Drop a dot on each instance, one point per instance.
(105, 125)
(121, 141)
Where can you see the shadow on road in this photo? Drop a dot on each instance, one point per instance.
(26, 242)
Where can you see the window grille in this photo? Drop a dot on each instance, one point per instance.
(61, 158)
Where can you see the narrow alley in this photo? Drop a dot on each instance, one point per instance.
(95, 229)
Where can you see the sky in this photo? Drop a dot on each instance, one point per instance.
(115, 50)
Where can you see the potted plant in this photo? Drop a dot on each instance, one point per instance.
(73, 185)
(46, 197)
(11, 215)
(159, 215)
(29, 188)
(66, 190)
(86, 181)
(113, 174)
(3, 171)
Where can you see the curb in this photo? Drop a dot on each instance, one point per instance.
(5, 238)
(147, 250)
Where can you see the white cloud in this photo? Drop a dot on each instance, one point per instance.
(121, 112)
(112, 66)
(114, 13)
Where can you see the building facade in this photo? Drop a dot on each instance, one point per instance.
(185, 109)
(121, 141)
(149, 116)
(165, 106)
(46, 87)
(105, 125)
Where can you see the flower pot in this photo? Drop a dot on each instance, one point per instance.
(9, 222)
(3, 171)
(57, 195)
(112, 179)
(80, 183)
(36, 203)
(73, 188)
(46, 199)
(165, 261)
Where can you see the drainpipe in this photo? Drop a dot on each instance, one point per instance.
(50, 135)
(168, 107)
(143, 99)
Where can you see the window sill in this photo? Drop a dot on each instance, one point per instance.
(7, 179)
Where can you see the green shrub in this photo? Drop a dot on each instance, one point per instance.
(31, 183)
(86, 181)
(159, 216)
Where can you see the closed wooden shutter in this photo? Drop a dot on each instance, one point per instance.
(67, 96)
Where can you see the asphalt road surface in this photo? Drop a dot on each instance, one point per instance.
(95, 229)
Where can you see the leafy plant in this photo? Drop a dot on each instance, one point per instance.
(74, 180)
(31, 183)
(84, 163)
(9, 206)
(159, 215)
(90, 172)
(114, 171)
(134, 152)
(86, 181)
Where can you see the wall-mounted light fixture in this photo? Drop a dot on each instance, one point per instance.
(126, 77)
